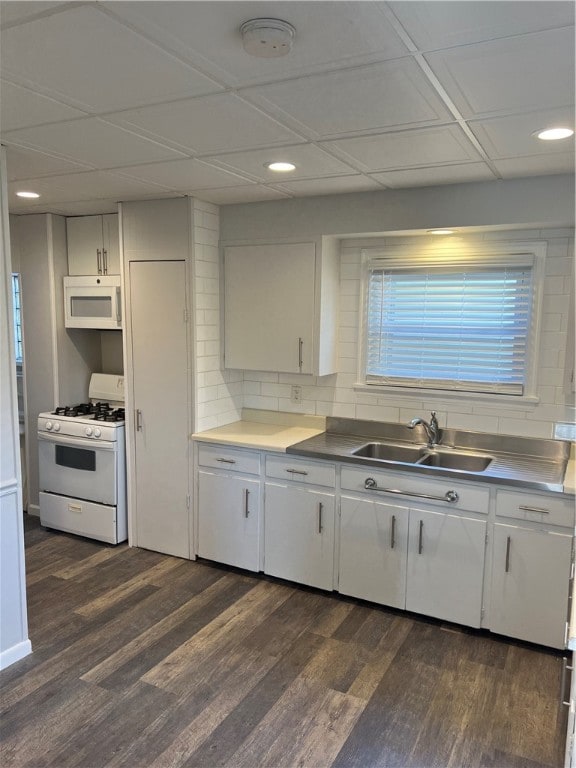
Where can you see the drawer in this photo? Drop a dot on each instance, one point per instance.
(416, 489)
(536, 508)
(309, 472)
(234, 459)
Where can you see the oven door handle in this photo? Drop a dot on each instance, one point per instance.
(78, 442)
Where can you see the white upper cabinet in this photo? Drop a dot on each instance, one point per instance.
(93, 245)
(280, 308)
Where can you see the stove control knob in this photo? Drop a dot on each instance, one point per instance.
(56, 427)
(88, 431)
(97, 432)
(49, 425)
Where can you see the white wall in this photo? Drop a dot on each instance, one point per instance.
(14, 642)
(335, 395)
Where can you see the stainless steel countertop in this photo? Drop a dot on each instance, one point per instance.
(535, 464)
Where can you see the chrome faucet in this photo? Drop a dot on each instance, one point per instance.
(432, 429)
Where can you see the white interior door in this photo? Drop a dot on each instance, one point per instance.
(160, 375)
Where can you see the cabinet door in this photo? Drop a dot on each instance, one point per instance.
(530, 583)
(373, 550)
(160, 381)
(445, 566)
(269, 307)
(299, 535)
(84, 237)
(111, 244)
(228, 519)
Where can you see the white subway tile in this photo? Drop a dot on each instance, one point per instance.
(276, 390)
(344, 411)
(472, 422)
(525, 428)
(261, 376)
(257, 401)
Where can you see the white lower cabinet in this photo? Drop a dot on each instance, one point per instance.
(445, 572)
(530, 584)
(229, 519)
(299, 535)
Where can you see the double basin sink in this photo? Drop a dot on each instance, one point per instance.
(425, 457)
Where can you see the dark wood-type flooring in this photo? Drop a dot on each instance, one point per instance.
(140, 659)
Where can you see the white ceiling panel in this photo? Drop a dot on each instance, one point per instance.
(428, 146)
(84, 57)
(309, 160)
(252, 193)
(215, 123)
(92, 184)
(92, 141)
(442, 174)
(22, 108)
(535, 166)
(513, 136)
(28, 163)
(511, 75)
(445, 24)
(394, 93)
(13, 12)
(328, 34)
(185, 175)
(332, 186)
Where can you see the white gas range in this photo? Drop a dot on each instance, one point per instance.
(82, 464)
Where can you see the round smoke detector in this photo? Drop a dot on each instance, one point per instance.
(267, 38)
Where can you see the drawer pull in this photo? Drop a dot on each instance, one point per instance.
(246, 494)
(534, 509)
(300, 359)
(450, 496)
(320, 509)
(507, 565)
(393, 532)
(227, 461)
(420, 532)
(297, 471)
(565, 668)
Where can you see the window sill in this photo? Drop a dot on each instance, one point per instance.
(520, 402)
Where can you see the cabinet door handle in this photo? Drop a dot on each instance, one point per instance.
(507, 565)
(138, 420)
(320, 510)
(297, 471)
(246, 494)
(227, 461)
(104, 261)
(420, 532)
(565, 668)
(393, 532)
(300, 346)
(99, 260)
(535, 509)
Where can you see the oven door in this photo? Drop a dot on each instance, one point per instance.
(73, 466)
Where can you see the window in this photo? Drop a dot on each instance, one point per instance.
(454, 324)
(17, 316)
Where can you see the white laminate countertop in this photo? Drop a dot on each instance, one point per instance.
(255, 434)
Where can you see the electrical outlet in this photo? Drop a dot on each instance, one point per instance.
(296, 394)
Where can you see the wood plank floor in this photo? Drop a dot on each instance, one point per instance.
(146, 660)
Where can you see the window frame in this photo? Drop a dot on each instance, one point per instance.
(447, 254)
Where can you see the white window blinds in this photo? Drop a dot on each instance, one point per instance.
(457, 327)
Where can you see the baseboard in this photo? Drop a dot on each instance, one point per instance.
(15, 653)
(34, 509)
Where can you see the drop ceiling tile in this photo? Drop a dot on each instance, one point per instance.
(27, 163)
(251, 193)
(393, 93)
(208, 124)
(310, 161)
(512, 75)
(18, 12)
(538, 165)
(184, 175)
(22, 108)
(328, 34)
(442, 174)
(513, 136)
(92, 141)
(332, 186)
(444, 24)
(406, 149)
(93, 62)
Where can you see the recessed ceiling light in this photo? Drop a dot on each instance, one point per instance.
(280, 167)
(553, 134)
(27, 194)
(441, 231)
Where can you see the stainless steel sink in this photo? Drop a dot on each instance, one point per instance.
(408, 454)
(466, 462)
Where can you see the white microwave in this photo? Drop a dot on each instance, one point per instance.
(92, 302)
